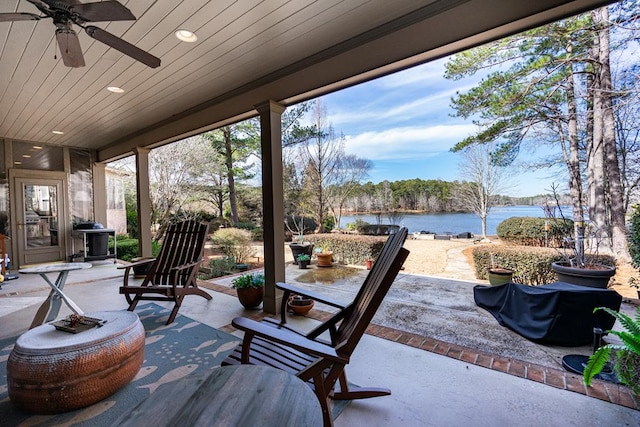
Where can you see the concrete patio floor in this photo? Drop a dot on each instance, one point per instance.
(427, 388)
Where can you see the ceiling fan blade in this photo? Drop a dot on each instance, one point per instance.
(123, 46)
(8, 17)
(103, 11)
(70, 48)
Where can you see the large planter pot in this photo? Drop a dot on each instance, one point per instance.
(594, 276)
(499, 276)
(300, 249)
(250, 297)
(325, 259)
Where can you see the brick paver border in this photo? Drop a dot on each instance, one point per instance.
(603, 390)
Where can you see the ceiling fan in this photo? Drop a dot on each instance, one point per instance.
(65, 13)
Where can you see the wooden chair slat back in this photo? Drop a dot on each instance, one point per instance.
(183, 244)
(374, 288)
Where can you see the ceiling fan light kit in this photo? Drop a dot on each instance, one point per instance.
(65, 13)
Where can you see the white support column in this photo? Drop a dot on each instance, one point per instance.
(272, 202)
(144, 201)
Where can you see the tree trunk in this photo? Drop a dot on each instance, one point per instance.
(575, 177)
(595, 163)
(230, 177)
(611, 165)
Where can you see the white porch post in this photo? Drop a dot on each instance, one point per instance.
(272, 202)
(144, 201)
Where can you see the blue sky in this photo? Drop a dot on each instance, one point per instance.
(403, 123)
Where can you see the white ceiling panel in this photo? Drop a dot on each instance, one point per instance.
(247, 52)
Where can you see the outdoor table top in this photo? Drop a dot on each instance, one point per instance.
(55, 267)
(241, 395)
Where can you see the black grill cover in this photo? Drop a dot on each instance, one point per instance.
(558, 313)
(88, 225)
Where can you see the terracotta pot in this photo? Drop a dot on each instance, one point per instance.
(594, 276)
(324, 259)
(250, 297)
(300, 306)
(369, 264)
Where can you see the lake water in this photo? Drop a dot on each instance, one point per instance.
(454, 223)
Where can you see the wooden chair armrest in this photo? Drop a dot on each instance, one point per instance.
(290, 289)
(288, 338)
(136, 264)
(186, 266)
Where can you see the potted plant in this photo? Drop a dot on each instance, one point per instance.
(580, 268)
(250, 289)
(298, 245)
(634, 282)
(325, 256)
(300, 305)
(499, 276)
(303, 261)
(627, 356)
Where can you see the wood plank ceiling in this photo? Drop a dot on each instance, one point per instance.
(247, 51)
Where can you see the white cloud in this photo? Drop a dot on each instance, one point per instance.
(425, 74)
(407, 142)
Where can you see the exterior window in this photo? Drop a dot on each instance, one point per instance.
(115, 193)
(81, 185)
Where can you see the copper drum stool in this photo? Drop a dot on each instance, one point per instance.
(51, 371)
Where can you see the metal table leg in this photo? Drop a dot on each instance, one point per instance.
(50, 308)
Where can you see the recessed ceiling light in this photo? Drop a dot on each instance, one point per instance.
(57, 132)
(26, 156)
(186, 36)
(17, 163)
(37, 147)
(115, 89)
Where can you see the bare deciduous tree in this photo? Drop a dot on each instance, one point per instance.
(172, 169)
(350, 170)
(485, 180)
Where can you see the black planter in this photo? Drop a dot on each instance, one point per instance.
(300, 249)
(596, 277)
(303, 264)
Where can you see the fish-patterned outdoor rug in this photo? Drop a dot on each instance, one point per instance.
(171, 353)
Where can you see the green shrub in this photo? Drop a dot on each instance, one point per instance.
(257, 234)
(234, 243)
(246, 225)
(634, 236)
(349, 248)
(128, 248)
(221, 266)
(529, 231)
(356, 225)
(530, 265)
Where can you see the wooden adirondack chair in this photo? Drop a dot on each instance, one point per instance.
(172, 275)
(319, 363)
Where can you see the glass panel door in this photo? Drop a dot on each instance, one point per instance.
(41, 215)
(41, 225)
